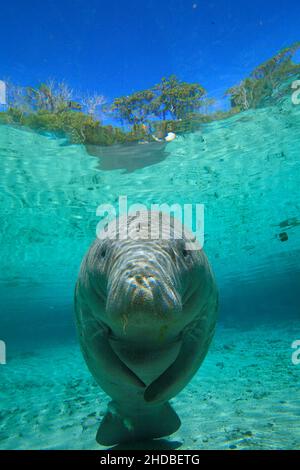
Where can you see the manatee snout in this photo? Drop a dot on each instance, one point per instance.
(143, 286)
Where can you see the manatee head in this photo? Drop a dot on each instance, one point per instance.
(148, 284)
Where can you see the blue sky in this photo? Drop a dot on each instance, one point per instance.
(115, 46)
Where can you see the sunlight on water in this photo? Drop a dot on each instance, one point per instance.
(246, 171)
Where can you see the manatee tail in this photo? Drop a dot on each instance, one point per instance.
(119, 426)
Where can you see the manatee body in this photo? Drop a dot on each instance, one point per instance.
(146, 309)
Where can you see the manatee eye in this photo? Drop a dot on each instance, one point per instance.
(103, 253)
(185, 253)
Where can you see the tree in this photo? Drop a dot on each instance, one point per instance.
(16, 97)
(134, 109)
(207, 103)
(170, 98)
(93, 104)
(177, 98)
(264, 80)
(52, 97)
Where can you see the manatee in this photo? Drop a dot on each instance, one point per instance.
(146, 308)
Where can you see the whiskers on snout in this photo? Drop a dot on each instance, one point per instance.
(146, 294)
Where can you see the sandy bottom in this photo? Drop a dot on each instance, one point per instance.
(245, 396)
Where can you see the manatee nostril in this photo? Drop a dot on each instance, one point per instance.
(139, 279)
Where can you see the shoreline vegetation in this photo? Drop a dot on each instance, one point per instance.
(144, 116)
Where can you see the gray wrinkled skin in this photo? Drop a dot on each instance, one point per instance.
(146, 312)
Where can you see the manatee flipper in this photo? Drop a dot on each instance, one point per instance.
(195, 344)
(121, 425)
(102, 361)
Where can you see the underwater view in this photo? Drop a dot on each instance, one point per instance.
(198, 348)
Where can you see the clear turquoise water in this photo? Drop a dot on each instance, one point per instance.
(246, 170)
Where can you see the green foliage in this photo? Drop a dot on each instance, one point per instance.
(191, 123)
(171, 97)
(15, 115)
(52, 97)
(77, 126)
(177, 98)
(4, 118)
(134, 109)
(74, 125)
(265, 80)
(170, 106)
